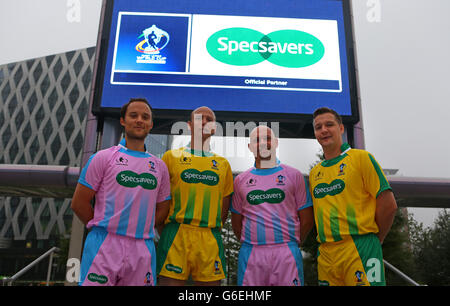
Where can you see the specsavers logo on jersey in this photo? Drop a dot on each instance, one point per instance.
(271, 196)
(193, 176)
(132, 180)
(96, 278)
(324, 189)
(245, 46)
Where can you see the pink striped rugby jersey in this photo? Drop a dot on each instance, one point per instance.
(128, 184)
(269, 201)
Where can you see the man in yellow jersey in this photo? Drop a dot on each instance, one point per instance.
(354, 208)
(201, 187)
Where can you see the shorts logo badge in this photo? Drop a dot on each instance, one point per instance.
(148, 277)
(95, 278)
(216, 267)
(359, 278)
(172, 268)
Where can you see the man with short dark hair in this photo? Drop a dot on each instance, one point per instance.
(124, 108)
(131, 188)
(354, 208)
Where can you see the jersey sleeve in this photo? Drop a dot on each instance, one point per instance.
(302, 194)
(164, 190)
(166, 159)
(228, 184)
(374, 179)
(236, 200)
(92, 174)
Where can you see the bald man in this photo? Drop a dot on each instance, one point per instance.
(271, 215)
(201, 187)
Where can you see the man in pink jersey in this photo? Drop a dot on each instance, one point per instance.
(271, 215)
(131, 189)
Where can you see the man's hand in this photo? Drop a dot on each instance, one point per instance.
(81, 203)
(385, 213)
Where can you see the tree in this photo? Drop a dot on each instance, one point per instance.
(431, 249)
(232, 247)
(310, 248)
(397, 249)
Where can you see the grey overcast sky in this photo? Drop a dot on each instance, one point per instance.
(403, 66)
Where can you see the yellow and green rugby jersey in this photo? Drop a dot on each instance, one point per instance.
(199, 181)
(344, 191)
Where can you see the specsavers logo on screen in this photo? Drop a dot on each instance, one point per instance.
(244, 46)
(154, 40)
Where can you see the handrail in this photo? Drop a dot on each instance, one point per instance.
(50, 252)
(401, 274)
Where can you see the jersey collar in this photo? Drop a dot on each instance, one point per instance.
(125, 150)
(267, 171)
(330, 162)
(197, 152)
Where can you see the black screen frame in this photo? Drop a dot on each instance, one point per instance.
(290, 125)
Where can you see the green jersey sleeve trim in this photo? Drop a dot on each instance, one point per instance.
(384, 184)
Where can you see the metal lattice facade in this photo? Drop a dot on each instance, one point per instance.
(43, 106)
(43, 110)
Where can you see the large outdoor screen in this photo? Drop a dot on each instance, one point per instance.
(248, 60)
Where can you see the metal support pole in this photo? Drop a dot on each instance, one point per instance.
(345, 135)
(49, 271)
(77, 231)
(358, 129)
(11, 279)
(112, 131)
(401, 274)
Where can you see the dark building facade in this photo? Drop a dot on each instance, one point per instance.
(43, 109)
(44, 104)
